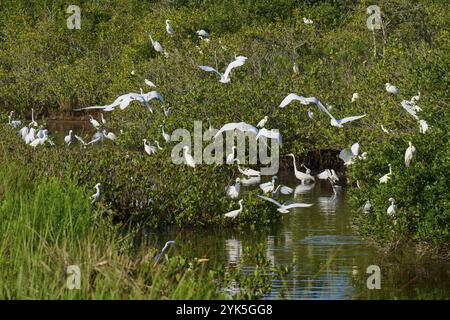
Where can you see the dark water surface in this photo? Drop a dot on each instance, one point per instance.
(330, 260)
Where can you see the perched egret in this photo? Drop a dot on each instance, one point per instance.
(366, 207)
(159, 255)
(157, 145)
(68, 138)
(268, 187)
(283, 208)
(296, 68)
(391, 209)
(283, 189)
(30, 136)
(409, 154)
(250, 181)
(263, 121)
(156, 45)
(230, 157)
(149, 149)
(96, 195)
(241, 126)
(40, 140)
(349, 155)
(247, 171)
(423, 126)
(391, 89)
(23, 132)
(307, 21)
(13, 123)
(110, 135)
(33, 122)
(387, 176)
(94, 122)
(355, 96)
(233, 190)
(169, 28)
(149, 83)
(165, 135)
(103, 119)
(188, 158)
(303, 177)
(233, 214)
(225, 77)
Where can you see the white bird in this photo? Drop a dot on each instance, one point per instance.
(96, 195)
(384, 129)
(24, 132)
(268, 187)
(13, 123)
(283, 208)
(415, 99)
(387, 176)
(165, 135)
(133, 72)
(157, 145)
(102, 119)
(366, 207)
(305, 101)
(241, 126)
(41, 138)
(149, 83)
(409, 154)
(159, 255)
(94, 122)
(233, 190)
(423, 126)
(33, 122)
(349, 155)
(230, 157)
(233, 214)
(149, 149)
(225, 77)
(156, 45)
(355, 96)
(169, 28)
(247, 171)
(307, 21)
(30, 136)
(296, 68)
(283, 189)
(86, 144)
(328, 174)
(68, 138)
(310, 114)
(203, 34)
(391, 209)
(263, 121)
(410, 108)
(391, 89)
(271, 134)
(250, 181)
(110, 135)
(303, 177)
(188, 158)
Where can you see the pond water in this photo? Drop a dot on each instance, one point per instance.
(329, 260)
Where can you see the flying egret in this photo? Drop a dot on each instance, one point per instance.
(188, 158)
(349, 155)
(328, 174)
(233, 214)
(159, 255)
(233, 190)
(86, 144)
(230, 157)
(149, 83)
(391, 89)
(94, 122)
(149, 149)
(391, 209)
(241, 126)
(110, 135)
(305, 101)
(307, 21)
(355, 96)
(96, 195)
(268, 187)
(263, 121)
(68, 138)
(225, 77)
(409, 154)
(247, 171)
(165, 135)
(283, 208)
(271, 134)
(387, 176)
(303, 177)
(169, 28)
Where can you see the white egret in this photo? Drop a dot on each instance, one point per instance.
(247, 171)
(33, 122)
(165, 135)
(410, 108)
(30, 136)
(149, 83)
(233, 190)
(391, 209)
(159, 255)
(41, 138)
(250, 181)
(283, 189)
(307, 21)
(409, 154)
(366, 207)
(156, 45)
(202, 34)
(102, 119)
(283, 208)
(96, 195)
(295, 68)
(303, 177)
(169, 28)
(355, 96)
(110, 135)
(305, 101)
(391, 89)
(88, 143)
(271, 134)
(415, 99)
(157, 145)
(188, 158)
(263, 121)
(230, 157)
(233, 214)
(349, 155)
(68, 138)
(329, 174)
(423, 126)
(149, 149)
(225, 77)
(387, 176)
(13, 123)
(268, 187)
(94, 122)
(241, 126)
(23, 132)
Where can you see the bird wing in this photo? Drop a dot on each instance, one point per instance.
(80, 139)
(409, 108)
(153, 95)
(291, 97)
(355, 148)
(94, 141)
(346, 155)
(239, 61)
(272, 134)
(324, 174)
(210, 69)
(286, 190)
(241, 126)
(348, 119)
(297, 205)
(270, 199)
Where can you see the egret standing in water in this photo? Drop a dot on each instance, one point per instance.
(68, 138)
(303, 177)
(96, 195)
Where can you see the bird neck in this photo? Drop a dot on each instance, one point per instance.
(293, 160)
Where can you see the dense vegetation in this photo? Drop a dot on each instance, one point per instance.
(45, 65)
